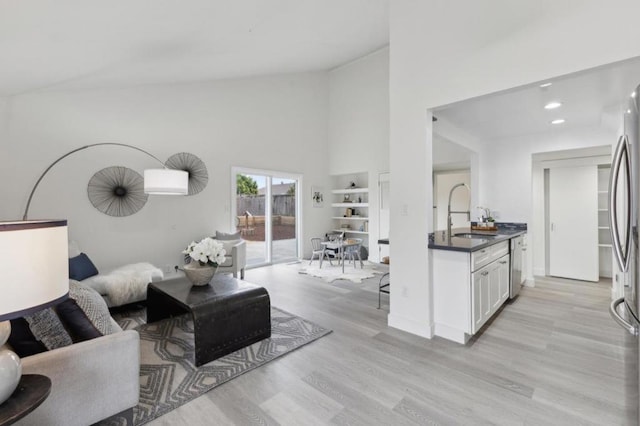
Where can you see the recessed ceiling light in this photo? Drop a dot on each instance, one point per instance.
(558, 121)
(633, 94)
(553, 105)
(547, 84)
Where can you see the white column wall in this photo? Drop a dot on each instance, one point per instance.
(358, 135)
(444, 52)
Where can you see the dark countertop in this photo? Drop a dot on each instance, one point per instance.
(440, 240)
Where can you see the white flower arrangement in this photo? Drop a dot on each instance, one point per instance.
(207, 252)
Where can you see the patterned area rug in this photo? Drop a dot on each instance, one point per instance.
(168, 376)
(331, 273)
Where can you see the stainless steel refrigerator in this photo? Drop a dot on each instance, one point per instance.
(624, 194)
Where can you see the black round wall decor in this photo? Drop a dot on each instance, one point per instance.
(198, 175)
(117, 191)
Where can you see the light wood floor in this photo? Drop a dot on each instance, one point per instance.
(552, 357)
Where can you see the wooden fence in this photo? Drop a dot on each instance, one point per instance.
(282, 205)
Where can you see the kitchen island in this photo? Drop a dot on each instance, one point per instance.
(471, 278)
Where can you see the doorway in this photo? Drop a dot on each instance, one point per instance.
(266, 211)
(569, 225)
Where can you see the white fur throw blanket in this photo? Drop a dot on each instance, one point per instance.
(125, 284)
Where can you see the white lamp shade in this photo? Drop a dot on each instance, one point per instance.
(166, 182)
(34, 266)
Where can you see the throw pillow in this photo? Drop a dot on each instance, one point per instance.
(22, 340)
(224, 236)
(85, 313)
(47, 328)
(81, 267)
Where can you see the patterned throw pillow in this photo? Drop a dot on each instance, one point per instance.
(85, 314)
(47, 328)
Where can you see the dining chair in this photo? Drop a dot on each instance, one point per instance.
(319, 250)
(352, 251)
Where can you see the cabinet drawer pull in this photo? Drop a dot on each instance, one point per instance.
(502, 262)
(485, 273)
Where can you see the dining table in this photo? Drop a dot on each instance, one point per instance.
(339, 245)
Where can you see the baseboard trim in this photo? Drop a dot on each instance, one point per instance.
(451, 333)
(410, 326)
(529, 283)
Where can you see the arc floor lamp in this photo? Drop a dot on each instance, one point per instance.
(164, 181)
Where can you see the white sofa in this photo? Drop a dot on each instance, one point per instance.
(127, 284)
(123, 285)
(90, 381)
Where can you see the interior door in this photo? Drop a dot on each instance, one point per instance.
(573, 222)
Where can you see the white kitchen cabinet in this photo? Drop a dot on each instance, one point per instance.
(480, 303)
(468, 289)
(504, 270)
(490, 289)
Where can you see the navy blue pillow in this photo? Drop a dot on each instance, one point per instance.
(81, 267)
(22, 340)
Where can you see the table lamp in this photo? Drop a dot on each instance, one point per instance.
(34, 274)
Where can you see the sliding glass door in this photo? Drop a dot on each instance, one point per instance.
(267, 214)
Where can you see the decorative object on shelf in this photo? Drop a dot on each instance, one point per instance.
(194, 166)
(35, 275)
(359, 199)
(347, 199)
(317, 195)
(205, 257)
(117, 191)
(352, 185)
(348, 212)
(163, 181)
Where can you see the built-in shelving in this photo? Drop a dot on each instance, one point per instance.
(604, 236)
(350, 218)
(350, 203)
(350, 191)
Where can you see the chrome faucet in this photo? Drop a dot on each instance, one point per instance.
(449, 212)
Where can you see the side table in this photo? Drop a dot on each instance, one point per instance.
(32, 390)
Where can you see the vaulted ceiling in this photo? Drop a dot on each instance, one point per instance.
(76, 44)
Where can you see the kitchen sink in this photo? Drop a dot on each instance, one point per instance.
(475, 235)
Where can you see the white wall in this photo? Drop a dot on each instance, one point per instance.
(4, 153)
(520, 196)
(274, 123)
(359, 127)
(443, 52)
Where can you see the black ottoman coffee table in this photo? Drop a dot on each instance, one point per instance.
(228, 314)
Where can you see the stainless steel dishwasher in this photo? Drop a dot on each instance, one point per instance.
(516, 267)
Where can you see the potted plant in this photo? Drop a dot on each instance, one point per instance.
(204, 256)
